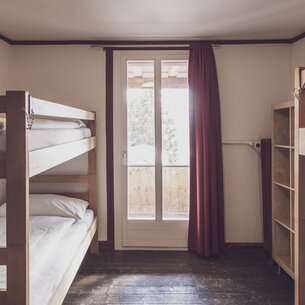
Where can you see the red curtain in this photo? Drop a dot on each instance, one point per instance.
(206, 226)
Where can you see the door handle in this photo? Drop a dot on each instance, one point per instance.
(124, 155)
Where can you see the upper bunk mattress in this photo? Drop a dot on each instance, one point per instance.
(53, 243)
(42, 138)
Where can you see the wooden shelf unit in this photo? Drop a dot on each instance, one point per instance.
(283, 150)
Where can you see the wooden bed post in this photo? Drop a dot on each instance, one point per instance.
(17, 196)
(92, 186)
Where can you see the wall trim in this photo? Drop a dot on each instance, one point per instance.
(105, 245)
(150, 42)
(3, 38)
(243, 246)
(297, 38)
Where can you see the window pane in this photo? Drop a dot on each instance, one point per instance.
(141, 139)
(175, 139)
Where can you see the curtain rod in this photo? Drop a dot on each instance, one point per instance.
(148, 48)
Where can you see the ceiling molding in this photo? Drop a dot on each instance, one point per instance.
(3, 38)
(297, 38)
(150, 42)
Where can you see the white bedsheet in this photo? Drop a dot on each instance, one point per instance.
(45, 282)
(53, 243)
(42, 138)
(45, 233)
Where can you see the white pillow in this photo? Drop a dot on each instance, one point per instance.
(54, 205)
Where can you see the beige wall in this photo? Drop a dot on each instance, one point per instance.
(251, 79)
(4, 66)
(297, 57)
(72, 75)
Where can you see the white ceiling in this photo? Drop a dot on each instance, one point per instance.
(151, 19)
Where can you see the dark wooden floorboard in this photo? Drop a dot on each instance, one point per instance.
(172, 278)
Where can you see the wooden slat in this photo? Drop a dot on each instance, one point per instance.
(3, 297)
(2, 165)
(59, 179)
(92, 187)
(46, 158)
(17, 196)
(78, 195)
(302, 76)
(302, 141)
(83, 195)
(283, 105)
(67, 279)
(45, 108)
(3, 257)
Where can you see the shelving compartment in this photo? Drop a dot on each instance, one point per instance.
(281, 127)
(282, 166)
(281, 205)
(282, 247)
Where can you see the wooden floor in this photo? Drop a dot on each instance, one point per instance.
(179, 278)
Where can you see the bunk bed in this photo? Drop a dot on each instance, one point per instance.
(21, 164)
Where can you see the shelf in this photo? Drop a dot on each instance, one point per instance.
(284, 186)
(283, 146)
(282, 247)
(284, 263)
(283, 223)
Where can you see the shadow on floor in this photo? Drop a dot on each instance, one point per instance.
(155, 277)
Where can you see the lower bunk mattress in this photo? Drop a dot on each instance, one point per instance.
(53, 243)
(42, 138)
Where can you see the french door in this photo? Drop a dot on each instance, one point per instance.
(155, 150)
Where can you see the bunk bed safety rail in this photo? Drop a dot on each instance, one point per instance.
(42, 108)
(43, 159)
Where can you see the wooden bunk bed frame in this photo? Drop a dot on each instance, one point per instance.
(19, 167)
(299, 210)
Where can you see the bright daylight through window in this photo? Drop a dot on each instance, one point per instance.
(150, 123)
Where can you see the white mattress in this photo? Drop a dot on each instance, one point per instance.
(42, 138)
(46, 275)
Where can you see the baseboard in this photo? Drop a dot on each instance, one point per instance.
(244, 248)
(106, 245)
